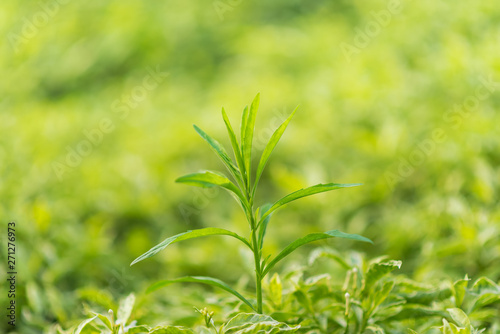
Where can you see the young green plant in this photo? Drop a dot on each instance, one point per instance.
(243, 188)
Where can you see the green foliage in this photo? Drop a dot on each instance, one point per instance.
(365, 119)
(245, 193)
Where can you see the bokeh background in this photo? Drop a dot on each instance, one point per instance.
(402, 96)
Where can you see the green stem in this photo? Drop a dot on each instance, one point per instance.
(258, 273)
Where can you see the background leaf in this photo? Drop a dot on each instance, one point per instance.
(125, 309)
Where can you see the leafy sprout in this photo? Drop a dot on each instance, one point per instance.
(243, 188)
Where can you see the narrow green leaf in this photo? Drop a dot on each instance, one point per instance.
(243, 126)
(83, 324)
(246, 146)
(319, 188)
(234, 143)
(263, 226)
(221, 153)
(201, 279)
(209, 179)
(186, 236)
(270, 147)
(310, 238)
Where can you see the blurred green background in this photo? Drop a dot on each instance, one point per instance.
(375, 81)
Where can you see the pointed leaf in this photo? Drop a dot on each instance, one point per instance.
(246, 146)
(234, 143)
(310, 238)
(319, 188)
(209, 179)
(186, 236)
(270, 147)
(201, 279)
(459, 289)
(105, 320)
(83, 324)
(459, 317)
(263, 226)
(244, 121)
(220, 151)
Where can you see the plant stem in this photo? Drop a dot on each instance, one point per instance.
(257, 258)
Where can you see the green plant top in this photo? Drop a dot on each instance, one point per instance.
(243, 187)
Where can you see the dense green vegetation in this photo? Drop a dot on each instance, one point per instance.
(96, 113)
